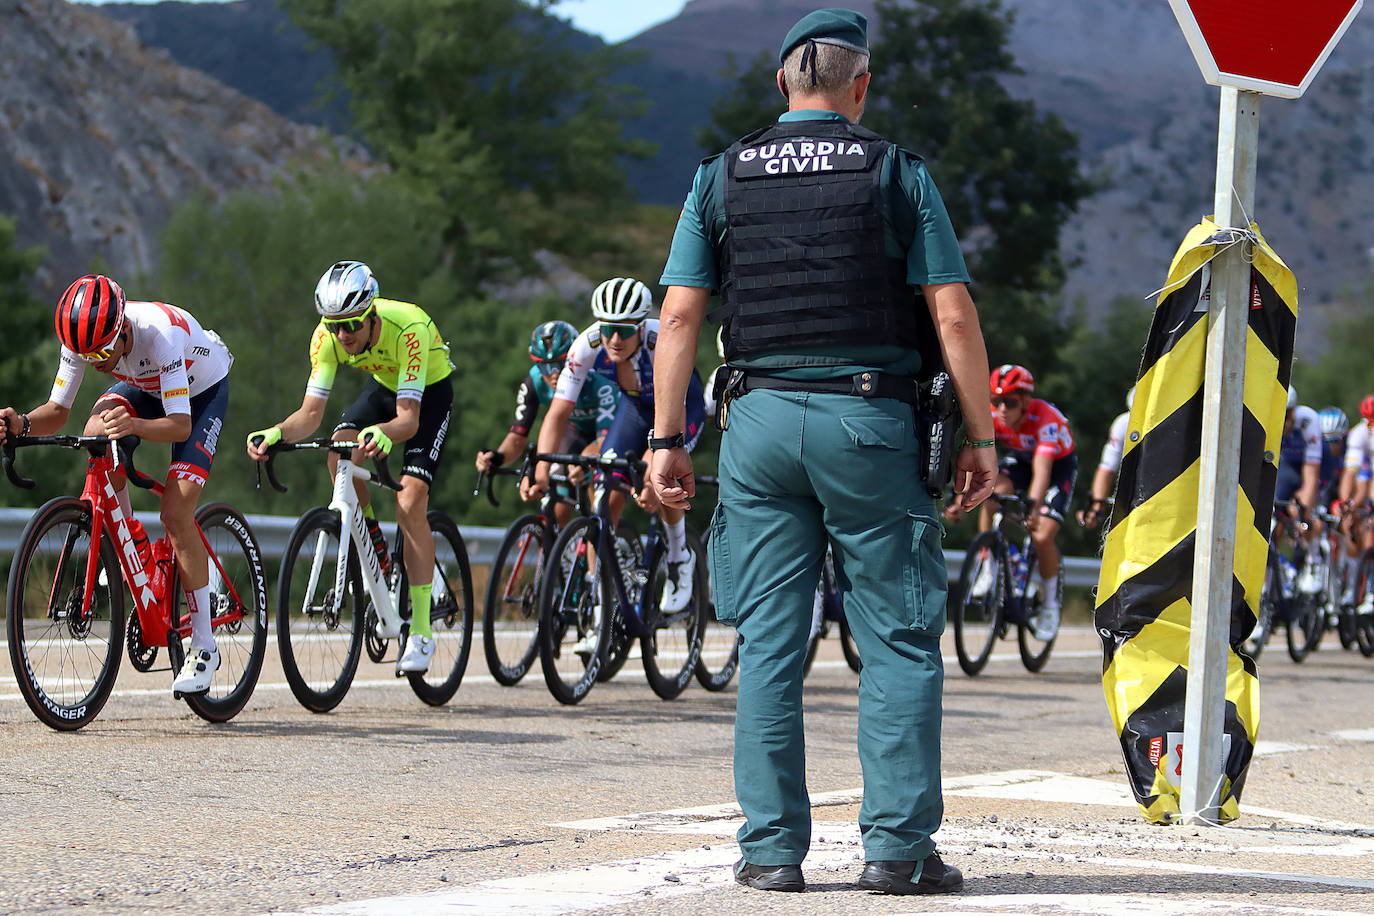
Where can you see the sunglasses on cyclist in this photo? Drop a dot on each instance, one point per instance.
(1006, 402)
(549, 366)
(99, 356)
(347, 325)
(626, 331)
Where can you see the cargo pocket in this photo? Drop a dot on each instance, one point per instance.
(880, 432)
(925, 578)
(722, 576)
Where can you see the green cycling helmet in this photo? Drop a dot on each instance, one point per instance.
(551, 341)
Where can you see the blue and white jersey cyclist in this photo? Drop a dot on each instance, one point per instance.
(619, 345)
(591, 416)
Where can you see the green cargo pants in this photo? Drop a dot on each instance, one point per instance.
(796, 469)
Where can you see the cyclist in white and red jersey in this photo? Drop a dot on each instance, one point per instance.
(173, 386)
(1353, 495)
(1108, 465)
(1040, 462)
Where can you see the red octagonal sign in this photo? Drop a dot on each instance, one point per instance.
(1269, 46)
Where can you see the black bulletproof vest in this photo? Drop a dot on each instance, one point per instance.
(803, 261)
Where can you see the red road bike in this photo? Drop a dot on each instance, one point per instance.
(64, 611)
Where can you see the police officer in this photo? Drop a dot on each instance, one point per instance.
(817, 235)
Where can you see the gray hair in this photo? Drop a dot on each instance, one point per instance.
(835, 68)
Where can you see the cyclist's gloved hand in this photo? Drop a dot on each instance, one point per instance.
(264, 438)
(374, 436)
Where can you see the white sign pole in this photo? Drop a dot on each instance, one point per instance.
(1219, 481)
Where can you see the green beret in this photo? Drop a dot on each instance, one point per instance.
(846, 28)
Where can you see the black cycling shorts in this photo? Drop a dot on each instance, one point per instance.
(377, 404)
(1063, 473)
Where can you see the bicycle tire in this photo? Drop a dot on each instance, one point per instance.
(511, 605)
(243, 642)
(672, 637)
(567, 614)
(1034, 656)
(978, 618)
(630, 554)
(450, 615)
(719, 643)
(849, 646)
(1305, 626)
(44, 650)
(319, 647)
(1254, 643)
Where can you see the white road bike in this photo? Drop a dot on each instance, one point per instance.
(333, 596)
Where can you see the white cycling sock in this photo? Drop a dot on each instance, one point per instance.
(198, 602)
(677, 540)
(1049, 590)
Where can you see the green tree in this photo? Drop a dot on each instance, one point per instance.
(1008, 173)
(512, 131)
(1342, 375)
(30, 348)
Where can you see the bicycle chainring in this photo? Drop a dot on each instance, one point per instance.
(141, 656)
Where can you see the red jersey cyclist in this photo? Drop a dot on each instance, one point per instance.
(408, 399)
(1040, 462)
(172, 386)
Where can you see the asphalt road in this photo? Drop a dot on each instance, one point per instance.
(504, 802)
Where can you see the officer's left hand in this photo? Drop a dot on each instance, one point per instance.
(975, 473)
(670, 474)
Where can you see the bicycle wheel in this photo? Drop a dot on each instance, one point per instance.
(629, 552)
(671, 644)
(1305, 625)
(976, 601)
(64, 662)
(1254, 644)
(574, 602)
(450, 614)
(850, 647)
(719, 643)
(319, 632)
(238, 590)
(1035, 651)
(510, 613)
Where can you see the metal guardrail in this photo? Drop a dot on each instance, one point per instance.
(482, 543)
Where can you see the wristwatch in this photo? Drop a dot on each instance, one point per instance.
(677, 440)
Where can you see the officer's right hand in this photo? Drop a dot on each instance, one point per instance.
(259, 442)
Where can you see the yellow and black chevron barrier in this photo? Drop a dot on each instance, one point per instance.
(1144, 594)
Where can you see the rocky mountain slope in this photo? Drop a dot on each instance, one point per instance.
(1120, 74)
(100, 137)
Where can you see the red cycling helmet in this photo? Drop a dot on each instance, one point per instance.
(1009, 378)
(90, 314)
(1367, 407)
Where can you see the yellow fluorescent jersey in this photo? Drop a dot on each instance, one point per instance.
(409, 353)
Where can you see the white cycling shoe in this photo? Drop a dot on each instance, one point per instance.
(677, 590)
(197, 672)
(984, 581)
(1047, 622)
(419, 653)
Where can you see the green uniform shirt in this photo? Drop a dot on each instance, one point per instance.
(916, 228)
(409, 353)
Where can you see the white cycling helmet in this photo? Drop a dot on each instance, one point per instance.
(347, 288)
(621, 299)
(1292, 397)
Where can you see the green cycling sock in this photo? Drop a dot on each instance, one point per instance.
(419, 610)
(368, 513)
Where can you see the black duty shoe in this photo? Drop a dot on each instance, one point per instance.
(770, 877)
(895, 877)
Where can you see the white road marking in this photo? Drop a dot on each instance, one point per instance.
(1268, 748)
(1355, 734)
